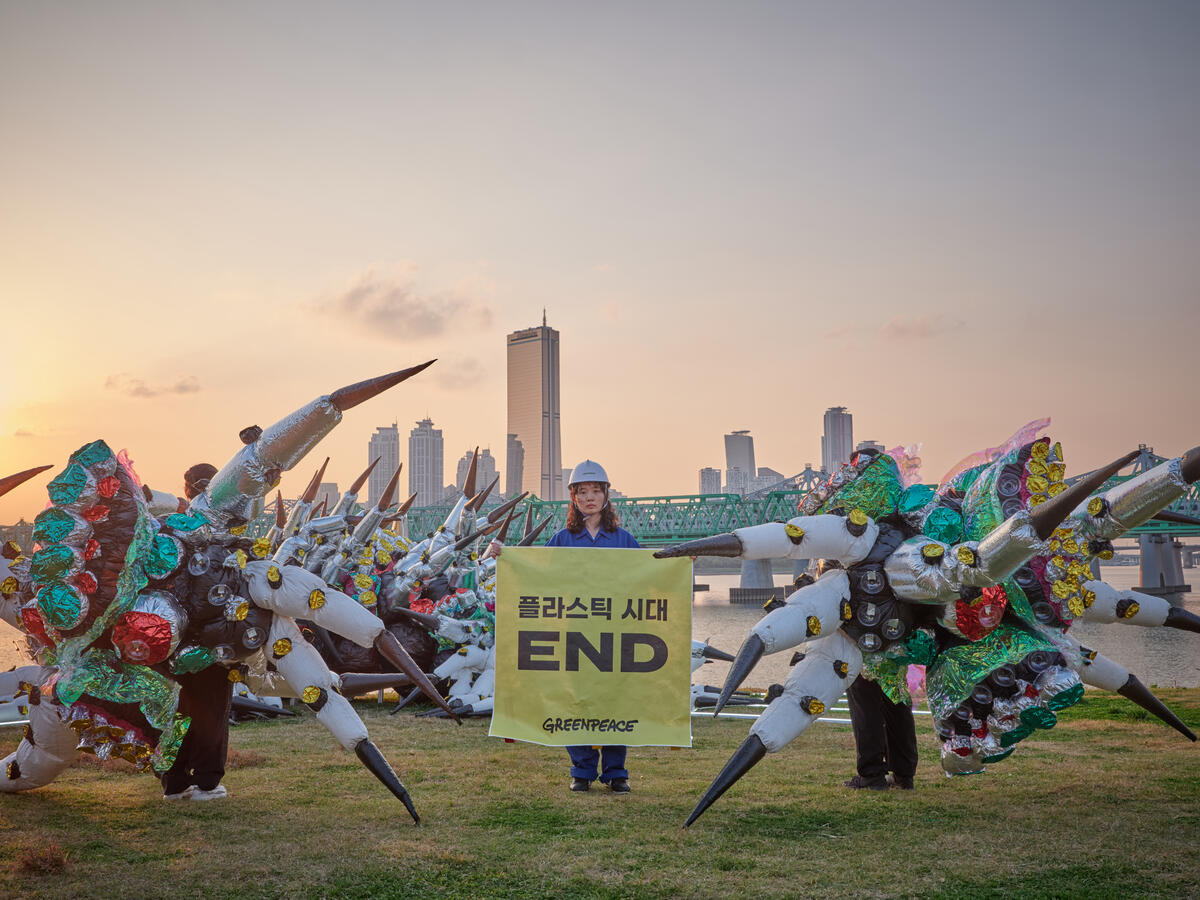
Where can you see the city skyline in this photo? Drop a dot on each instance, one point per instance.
(950, 218)
(426, 465)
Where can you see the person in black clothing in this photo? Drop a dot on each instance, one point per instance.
(206, 696)
(885, 738)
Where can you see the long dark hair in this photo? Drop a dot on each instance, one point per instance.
(608, 516)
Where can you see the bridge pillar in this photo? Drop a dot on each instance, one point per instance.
(1189, 558)
(1162, 568)
(756, 573)
(757, 584)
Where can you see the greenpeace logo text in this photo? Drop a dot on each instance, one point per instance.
(552, 725)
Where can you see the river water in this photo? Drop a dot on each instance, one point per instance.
(1158, 656)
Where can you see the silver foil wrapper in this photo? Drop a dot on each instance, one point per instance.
(1131, 503)
(280, 447)
(1007, 548)
(915, 580)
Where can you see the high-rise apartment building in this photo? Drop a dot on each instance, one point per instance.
(739, 452)
(425, 467)
(485, 470)
(384, 445)
(533, 411)
(514, 462)
(739, 461)
(710, 481)
(869, 445)
(838, 440)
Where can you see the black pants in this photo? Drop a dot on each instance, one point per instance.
(885, 736)
(206, 696)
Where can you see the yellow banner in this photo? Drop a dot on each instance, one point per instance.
(593, 647)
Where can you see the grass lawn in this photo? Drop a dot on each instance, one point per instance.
(1105, 805)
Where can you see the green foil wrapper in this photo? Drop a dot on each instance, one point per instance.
(950, 680)
(943, 524)
(52, 564)
(890, 675)
(66, 488)
(981, 505)
(90, 454)
(54, 525)
(876, 491)
(914, 498)
(1018, 602)
(184, 522)
(61, 607)
(162, 556)
(192, 659)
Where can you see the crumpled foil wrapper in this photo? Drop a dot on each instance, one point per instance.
(876, 490)
(951, 679)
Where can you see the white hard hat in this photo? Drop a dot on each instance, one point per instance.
(588, 471)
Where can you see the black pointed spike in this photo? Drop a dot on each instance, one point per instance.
(745, 758)
(354, 394)
(503, 535)
(1178, 617)
(1051, 514)
(528, 519)
(713, 653)
(11, 481)
(393, 651)
(404, 507)
(1140, 694)
(508, 506)
(280, 514)
(718, 545)
(747, 658)
(1165, 515)
(356, 683)
(409, 698)
(465, 542)
(386, 500)
(310, 492)
(477, 503)
(369, 755)
(258, 708)
(469, 484)
(528, 540)
(362, 479)
(1190, 465)
(425, 620)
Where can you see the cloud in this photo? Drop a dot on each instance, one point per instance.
(917, 328)
(392, 305)
(136, 387)
(459, 375)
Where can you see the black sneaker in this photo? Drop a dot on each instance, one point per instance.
(580, 784)
(873, 784)
(619, 785)
(905, 784)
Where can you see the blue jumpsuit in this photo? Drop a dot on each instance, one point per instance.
(584, 759)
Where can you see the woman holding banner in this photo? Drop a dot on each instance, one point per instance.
(592, 522)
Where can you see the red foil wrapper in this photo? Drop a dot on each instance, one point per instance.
(96, 513)
(142, 637)
(108, 487)
(91, 548)
(980, 616)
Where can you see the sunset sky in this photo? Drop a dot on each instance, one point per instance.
(951, 218)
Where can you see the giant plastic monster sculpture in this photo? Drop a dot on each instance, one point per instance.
(120, 603)
(979, 581)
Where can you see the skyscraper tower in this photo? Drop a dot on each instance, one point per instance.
(739, 460)
(838, 440)
(533, 412)
(425, 469)
(385, 444)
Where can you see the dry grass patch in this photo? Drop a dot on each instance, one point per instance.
(42, 859)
